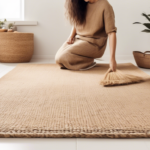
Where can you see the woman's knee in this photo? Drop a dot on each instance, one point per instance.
(57, 58)
(60, 58)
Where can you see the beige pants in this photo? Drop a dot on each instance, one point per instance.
(78, 55)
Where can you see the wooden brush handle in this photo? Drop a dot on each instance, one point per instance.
(109, 70)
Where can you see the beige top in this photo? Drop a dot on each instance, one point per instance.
(100, 20)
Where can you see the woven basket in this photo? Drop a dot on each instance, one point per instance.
(3, 30)
(142, 59)
(16, 47)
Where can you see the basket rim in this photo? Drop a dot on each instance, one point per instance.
(140, 52)
(27, 33)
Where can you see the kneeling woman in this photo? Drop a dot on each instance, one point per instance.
(93, 22)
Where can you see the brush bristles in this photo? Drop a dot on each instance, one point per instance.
(119, 78)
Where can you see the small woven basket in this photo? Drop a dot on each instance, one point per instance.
(142, 59)
(16, 47)
(3, 30)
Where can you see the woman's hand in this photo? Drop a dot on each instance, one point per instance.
(70, 40)
(113, 65)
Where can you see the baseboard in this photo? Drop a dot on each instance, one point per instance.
(118, 57)
(105, 57)
(43, 56)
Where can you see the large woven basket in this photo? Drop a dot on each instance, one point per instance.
(142, 59)
(16, 47)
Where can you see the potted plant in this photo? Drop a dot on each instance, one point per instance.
(10, 27)
(2, 26)
(147, 16)
(143, 59)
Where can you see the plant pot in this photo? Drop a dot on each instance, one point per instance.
(142, 59)
(10, 30)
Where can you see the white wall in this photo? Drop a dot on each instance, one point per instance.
(53, 29)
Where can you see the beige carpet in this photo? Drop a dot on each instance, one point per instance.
(41, 100)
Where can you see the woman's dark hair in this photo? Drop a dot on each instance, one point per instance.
(76, 11)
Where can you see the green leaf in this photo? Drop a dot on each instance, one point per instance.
(10, 25)
(146, 16)
(137, 23)
(147, 25)
(146, 30)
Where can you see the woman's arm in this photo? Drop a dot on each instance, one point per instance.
(70, 40)
(112, 45)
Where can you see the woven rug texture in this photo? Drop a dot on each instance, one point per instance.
(42, 100)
